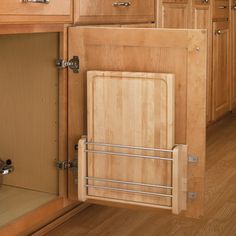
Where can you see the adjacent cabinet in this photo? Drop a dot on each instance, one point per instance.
(218, 17)
(233, 53)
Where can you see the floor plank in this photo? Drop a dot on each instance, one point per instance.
(220, 203)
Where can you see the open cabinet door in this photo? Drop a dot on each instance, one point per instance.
(178, 52)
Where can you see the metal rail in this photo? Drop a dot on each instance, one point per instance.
(128, 147)
(128, 155)
(129, 183)
(129, 191)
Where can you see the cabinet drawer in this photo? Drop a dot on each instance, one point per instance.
(24, 10)
(220, 9)
(114, 11)
(201, 2)
(175, 1)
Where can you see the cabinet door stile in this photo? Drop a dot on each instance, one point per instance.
(233, 54)
(201, 18)
(221, 76)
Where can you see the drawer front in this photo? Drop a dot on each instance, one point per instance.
(175, 1)
(202, 2)
(233, 4)
(24, 10)
(220, 9)
(113, 11)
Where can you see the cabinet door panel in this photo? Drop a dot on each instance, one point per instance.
(221, 95)
(174, 15)
(233, 55)
(148, 50)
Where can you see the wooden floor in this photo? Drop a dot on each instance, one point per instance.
(15, 202)
(220, 215)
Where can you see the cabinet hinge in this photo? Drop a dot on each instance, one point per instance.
(65, 165)
(73, 64)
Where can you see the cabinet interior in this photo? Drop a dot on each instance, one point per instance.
(29, 127)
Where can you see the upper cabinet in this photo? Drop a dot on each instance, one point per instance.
(36, 11)
(113, 11)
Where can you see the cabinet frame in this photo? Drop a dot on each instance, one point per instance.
(40, 216)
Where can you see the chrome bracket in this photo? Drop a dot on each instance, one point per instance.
(192, 159)
(192, 195)
(73, 64)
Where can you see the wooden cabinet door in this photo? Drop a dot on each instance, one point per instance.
(221, 79)
(201, 19)
(182, 53)
(233, 55)
(173, 15)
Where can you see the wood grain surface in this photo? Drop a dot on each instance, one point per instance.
(181, 52)
(15, 202)
(134, 109)
(220, 201)
(29, 110)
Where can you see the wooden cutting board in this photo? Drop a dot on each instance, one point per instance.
(134, 109)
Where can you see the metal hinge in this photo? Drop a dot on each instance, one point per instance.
(65, 165)
(73, 64)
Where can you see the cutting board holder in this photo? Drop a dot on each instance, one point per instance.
(177, 156)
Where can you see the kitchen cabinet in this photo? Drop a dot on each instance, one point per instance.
(43, 11)
(215, 16)
(233, 53)
(221, 78)
(111, 11)
(112, 49)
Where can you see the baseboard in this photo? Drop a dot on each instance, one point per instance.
(60, 220)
